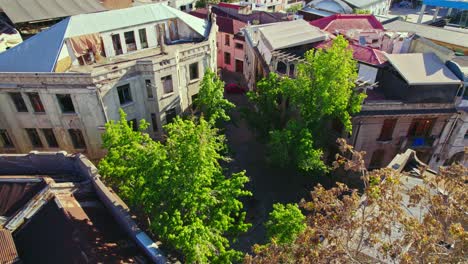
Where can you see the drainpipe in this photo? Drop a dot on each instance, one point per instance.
(101, 103)
(357, 134)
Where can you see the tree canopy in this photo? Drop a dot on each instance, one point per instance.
(285, 223)
(390, 220)
(293, 114)
(179, 185)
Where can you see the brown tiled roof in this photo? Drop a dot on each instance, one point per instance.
(8, 253)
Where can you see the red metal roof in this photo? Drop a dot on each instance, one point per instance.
(229, 25)
(237, 7)
(344, 22)
(200, 13)
(361, 53)
(8, 253)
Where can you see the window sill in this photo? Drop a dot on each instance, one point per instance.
(127, 104)
(39, 113)
(70, 113)
(385, 141)
(164, 96)
(151, 99)
(194, 81)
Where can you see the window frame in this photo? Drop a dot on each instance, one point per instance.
(149, 89)
(227, 55)
(51, 141)
(33, 136)
(6, 140)
(227, 40)
(131, 46)
(239, 46)
(164, 80)
(117, 44)
(388, 124)
(125, 95)
(19, 102)
(32, 99)
(172, 116)
(79, 142)
(142, 32)
(61, 97)
(194, 66)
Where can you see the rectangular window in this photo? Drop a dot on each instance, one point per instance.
(18, 100)
(50, 137)
(5, 139)
(117, 45)
(421, 127)
(239, 45)
(193, 68)
(153, 122)
(170, 115)
(65, 102)
(77, 138)
(167, 84)
(125, 96)
(149, 88)
(130, 40)
(134, 124)
(182, 8)
(387, 130)
(227, 58)
(226, 40)
(34, 137)
(36, 102)
(143, 38)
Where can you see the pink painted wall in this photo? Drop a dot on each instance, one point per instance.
(235, 47)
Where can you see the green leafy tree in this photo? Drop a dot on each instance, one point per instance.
(285, 223)
(361, 11)
(211, 99)
(179, 185)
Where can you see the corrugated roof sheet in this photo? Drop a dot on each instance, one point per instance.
(360, 53)
(363, 3)
(345, 22)
(422, 68)
(14, 195)
(292, 33)
(33, 10)
(8, 253)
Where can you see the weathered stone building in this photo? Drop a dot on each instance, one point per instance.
(60, 87)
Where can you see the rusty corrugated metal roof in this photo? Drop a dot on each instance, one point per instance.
(13, 195)
(8, 253)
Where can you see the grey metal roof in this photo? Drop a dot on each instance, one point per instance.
(434, 33)
(362, 3)
(292, 33)
(422, 68)
(33, 10)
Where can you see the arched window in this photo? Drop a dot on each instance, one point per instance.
(291, 70)
(281, 67)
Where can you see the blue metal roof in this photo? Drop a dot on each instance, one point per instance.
(458, 4)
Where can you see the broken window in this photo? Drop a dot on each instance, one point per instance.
(421, 127)
(130, 40)
(143, 38)
(377, 159)
(36, 102)
(34, 137)
(77, 138)
(281, 67)
(18, 100)
(226, 40)
(5, 139)
(227, 58)
(154, 123)
(167, 84)
(193, 68)
(149, 88)
(387, 130)
(50, 137)
(125, 95)
(65, 102)
(116, 43)
(133, 123)
(170, 115)
(173, 30)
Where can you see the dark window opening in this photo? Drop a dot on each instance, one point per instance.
(87, 58)
(154, 123)
(36, 102)
(125, 95)
(193, 69)
(149, 88)
(194, 98)
(77, 138)
(239, 66)
(173, 29)
(66, 103)
(143, 38)
(421, 127)
(50, 137)
(130, 40)
(18, 100)
(227, 58)
(291, 70)
(34, 137)
(377, 159)
(134, 124)
(167, 84)
(281, 67)
(117, 45)
(182, 8)
(226, 40)
(239, 46)
(387, 130)
(170, 115)
(5, 139)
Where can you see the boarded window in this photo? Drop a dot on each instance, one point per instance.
(130, 40)
(421, 127)
(18, 100)
(5, 139)
(193, 69)
(227, 58)
(149, 88)
(154, 123)
(50, 137)
(77, 138)
(226, 40)
(167, 84)
(117, 45)
(377, 159)
(387, 130)
(143, 38)
(66, 103)
(34, 137)
(281, 67)
(125, 95)
(134, 124)
(170, 115)
(36, 102)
